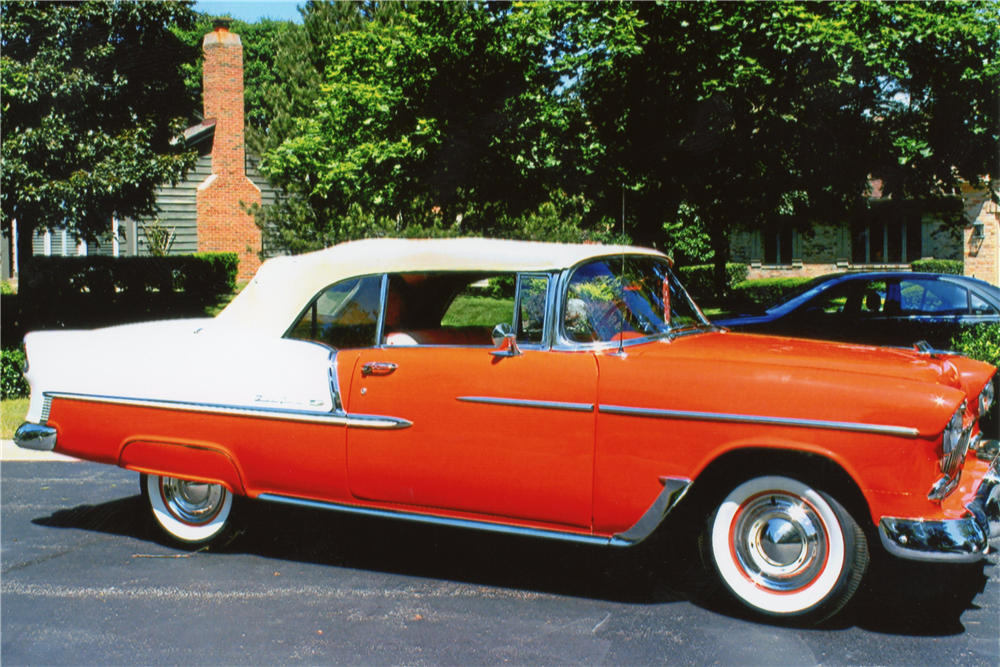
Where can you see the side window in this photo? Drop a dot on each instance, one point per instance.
(873, 298)
(933, 297)
(344, 315)
(450, 309)
(531, 308)
(981, 307)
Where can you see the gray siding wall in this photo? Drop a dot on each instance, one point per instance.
(178, 211)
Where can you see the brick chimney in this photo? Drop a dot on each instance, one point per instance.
(223, 225)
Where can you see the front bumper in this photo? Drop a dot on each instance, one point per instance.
(35, 436)
(957, 540)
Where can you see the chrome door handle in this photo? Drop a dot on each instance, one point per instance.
(378, 368)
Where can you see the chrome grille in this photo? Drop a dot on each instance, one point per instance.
(46, 408)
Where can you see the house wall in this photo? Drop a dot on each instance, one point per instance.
(980, 238)
(825, 248)
(178, 212)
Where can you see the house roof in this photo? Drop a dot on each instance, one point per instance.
(199, 132)
(284, 286)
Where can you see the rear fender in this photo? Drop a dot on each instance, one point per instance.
(196, 463)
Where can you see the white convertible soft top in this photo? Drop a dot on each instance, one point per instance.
(284, 286)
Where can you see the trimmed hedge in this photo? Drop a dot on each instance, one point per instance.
(699, 280)
(202, 273)
(765, 291)
(952, 266)
(91, 292)
(12, 383)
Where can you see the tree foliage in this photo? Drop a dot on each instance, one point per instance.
(92, 96)
(778, 114)
(430, 115)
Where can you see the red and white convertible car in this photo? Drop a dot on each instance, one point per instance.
(572, 392)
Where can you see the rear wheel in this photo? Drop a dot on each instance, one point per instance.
(191, 513)
(785, 549)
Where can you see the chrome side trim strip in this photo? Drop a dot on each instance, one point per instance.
(35, 436)
(442, 521)
(901, 431)
(332, 418)
(526, 403)
(674, 489)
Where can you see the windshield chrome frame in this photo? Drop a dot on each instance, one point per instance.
(562, 343)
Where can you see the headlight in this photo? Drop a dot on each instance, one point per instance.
(953, 432)
(955, 443)
(986, 398)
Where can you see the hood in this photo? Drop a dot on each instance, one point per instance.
(865, 360)
(770, 376)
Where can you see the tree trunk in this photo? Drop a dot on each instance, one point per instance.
(719, 238)
(24, 250)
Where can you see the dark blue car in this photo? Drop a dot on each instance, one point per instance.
(891, 308)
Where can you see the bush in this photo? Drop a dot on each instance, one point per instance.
(763, 292)
(699, 280)
(12, 383)
(204, 273)
(952, 266)
(7, 287)
(212, 272)
(980, 342)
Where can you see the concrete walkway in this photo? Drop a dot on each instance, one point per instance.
(11, 452)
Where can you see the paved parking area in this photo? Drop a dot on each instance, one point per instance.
(86, 581)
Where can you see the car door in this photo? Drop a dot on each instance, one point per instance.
(497, 433)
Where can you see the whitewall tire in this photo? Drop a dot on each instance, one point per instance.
(785, 549)
(193, 513)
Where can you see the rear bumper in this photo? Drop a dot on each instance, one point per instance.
(958, 540)
(35, 436)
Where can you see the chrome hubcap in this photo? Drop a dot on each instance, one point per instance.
(192, 502)
(780, 542)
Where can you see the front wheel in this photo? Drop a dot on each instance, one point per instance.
(192, 513)
(785, 549)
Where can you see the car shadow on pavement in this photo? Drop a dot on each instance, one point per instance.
(896, 596)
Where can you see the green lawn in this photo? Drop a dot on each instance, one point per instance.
(12, 414)
(478, 311)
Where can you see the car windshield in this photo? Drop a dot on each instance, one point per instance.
(619, 298)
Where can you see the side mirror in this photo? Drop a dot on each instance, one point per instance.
(505, 341)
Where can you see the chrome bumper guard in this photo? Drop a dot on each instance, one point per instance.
(958, 540)
(35, 436)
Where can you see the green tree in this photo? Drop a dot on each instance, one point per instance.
(436, 115)
(777, 114)
(93, 95)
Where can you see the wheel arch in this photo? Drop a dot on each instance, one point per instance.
(195, 463)
(734, 466)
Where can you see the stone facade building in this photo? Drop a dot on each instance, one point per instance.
(892, 236)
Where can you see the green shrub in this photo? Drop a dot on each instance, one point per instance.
(213, 272)
(503, 287)
(765, 291)
(952, 266)
(699, 280)
(203, 273)
(12, 383)
(980, 342)
(7, 287)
